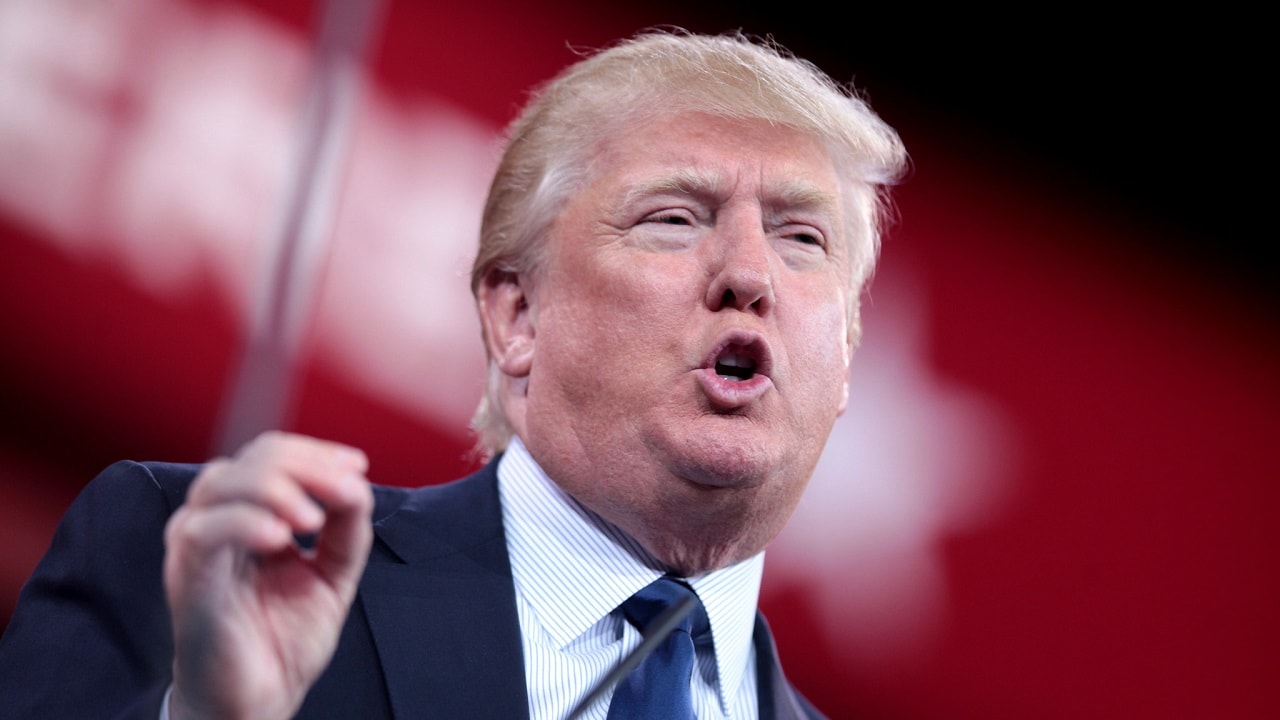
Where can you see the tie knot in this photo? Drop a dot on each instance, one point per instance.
(643, 608)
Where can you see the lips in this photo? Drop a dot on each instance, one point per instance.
(736, 373)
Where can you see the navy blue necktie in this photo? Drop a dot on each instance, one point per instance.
(658, 689)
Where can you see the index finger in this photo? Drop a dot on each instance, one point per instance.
(283, 471)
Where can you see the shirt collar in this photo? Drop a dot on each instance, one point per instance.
(556, 544)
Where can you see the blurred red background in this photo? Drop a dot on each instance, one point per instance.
(1053, 496)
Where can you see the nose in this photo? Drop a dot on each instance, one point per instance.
(741, 270)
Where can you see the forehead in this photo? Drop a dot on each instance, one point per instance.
(699, 153)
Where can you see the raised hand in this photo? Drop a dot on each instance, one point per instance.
(256, 618)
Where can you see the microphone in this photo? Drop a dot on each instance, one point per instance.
(657, 631)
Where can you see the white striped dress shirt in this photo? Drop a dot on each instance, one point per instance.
(572, 570)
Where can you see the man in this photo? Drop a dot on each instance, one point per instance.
(668, 278)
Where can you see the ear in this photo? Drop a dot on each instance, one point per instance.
(507, 319)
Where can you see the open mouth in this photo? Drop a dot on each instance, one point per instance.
(735, 366)
(740, 359)
(738, 373)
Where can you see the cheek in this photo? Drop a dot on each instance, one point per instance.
(637, 299)
(820, 352)
(597, 330)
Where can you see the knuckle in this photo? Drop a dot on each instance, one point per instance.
(274, 494)
(272, 437)
(261, 444)
(208, 476)
(178, 527)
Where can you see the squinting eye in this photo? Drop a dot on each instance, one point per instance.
(807, 239)
(670, 219)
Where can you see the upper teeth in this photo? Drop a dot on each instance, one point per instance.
(733, 366)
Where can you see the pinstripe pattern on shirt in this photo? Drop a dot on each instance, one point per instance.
(572, 570)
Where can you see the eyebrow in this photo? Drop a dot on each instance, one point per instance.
(681, 182)
(801, 195)
(786, 195)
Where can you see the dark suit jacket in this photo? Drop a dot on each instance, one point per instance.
(433, 631)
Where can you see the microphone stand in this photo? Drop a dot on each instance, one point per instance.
(653, 636)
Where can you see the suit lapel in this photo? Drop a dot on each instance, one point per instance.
(440, 577)
(777, 699)
(441, 604)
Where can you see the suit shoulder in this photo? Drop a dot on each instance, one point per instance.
(95, 600)
(128, 478)
(456, 495)
(128, 502)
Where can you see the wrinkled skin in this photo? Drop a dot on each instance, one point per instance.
(696, 240)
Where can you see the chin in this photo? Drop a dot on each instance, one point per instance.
(723, 460)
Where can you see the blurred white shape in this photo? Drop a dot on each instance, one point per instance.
(59, 64)
(155, 134)
(147, 133)
(201, 172)
(396, 312)
(913, 460)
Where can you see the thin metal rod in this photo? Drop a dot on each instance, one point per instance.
(261, 390)
(654, 635)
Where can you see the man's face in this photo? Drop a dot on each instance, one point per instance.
(690, 334)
